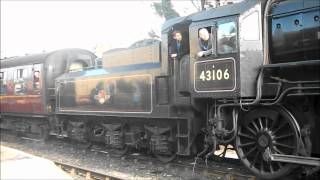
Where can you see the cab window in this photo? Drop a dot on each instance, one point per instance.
(206, 41)
(227, 37)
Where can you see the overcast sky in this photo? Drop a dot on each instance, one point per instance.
(35, 26)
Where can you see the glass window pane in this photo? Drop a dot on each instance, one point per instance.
(36, 80)
(227, 38)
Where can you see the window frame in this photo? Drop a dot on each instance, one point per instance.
(225, 21)
(213, 33)
(21, 76)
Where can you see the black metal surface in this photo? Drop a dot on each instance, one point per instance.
(118, 94)
(295, 31)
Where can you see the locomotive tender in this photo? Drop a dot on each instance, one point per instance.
(258, 90)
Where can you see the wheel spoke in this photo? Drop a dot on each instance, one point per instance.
(255, 126)
(251, 130)
(246, 144)
(284, 145)
(260, 123)
(284, 136)
(273, 124)
(277, 150)
(266, 120)
(261, 166)
(249, 152)
(281, 126)
(245, 135)
(275, 120)
(255, 159)
(271, 168)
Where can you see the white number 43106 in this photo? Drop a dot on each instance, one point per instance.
(212, 75)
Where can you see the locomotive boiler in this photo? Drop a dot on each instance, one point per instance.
(257, 90)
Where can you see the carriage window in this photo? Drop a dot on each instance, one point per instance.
(3, 84)
(36, 80)
(20, 86)
(21, 74)
(227, 37)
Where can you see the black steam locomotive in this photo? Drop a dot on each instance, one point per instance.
(258, 90)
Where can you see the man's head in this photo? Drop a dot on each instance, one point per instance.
(177, 35)
(204, 34)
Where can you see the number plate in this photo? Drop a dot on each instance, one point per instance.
(215, 75)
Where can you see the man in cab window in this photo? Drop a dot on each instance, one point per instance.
(178, 48)
(205, 43)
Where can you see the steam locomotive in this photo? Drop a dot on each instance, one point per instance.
(257, 90)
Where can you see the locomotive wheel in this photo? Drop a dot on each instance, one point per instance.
(264, 128)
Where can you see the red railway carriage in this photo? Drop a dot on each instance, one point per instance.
(27, 83)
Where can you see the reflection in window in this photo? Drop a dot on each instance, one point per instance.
(227, 37)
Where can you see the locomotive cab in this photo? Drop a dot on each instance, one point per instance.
(231, 67)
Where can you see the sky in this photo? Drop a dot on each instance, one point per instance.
(29, 27)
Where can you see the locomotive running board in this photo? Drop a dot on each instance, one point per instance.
(294, 159)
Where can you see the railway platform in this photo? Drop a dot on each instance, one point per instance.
(16, 164)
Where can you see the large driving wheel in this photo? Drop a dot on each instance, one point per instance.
(263, 128)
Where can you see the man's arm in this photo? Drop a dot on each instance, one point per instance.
(204, 53)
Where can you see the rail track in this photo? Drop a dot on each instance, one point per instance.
(83, 173)
(196, 170)
(200, 170)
